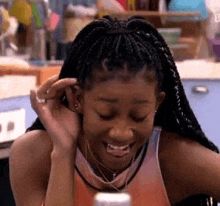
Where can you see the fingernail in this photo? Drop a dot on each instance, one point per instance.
(56, 75)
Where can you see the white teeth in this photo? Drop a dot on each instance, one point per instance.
(118, 151)
(116, 147)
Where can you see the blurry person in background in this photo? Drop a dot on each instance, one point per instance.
(80, 8)
(21, 9)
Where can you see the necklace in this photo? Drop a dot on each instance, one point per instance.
(109, 183)
(114, 173)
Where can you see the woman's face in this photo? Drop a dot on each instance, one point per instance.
(118, 119)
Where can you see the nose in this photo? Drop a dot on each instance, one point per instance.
(123, 134)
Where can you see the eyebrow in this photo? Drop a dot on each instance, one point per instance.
(112, 100)
(141, 101)
(106, 99)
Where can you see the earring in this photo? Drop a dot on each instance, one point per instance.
(76, 106)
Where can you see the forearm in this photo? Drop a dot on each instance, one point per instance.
(60, 191)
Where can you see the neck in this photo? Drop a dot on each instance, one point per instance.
(108, 174)
(99, 168)
(105, 173)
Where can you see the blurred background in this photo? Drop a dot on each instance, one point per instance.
(36, 34)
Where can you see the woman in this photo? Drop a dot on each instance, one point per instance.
(116, 119)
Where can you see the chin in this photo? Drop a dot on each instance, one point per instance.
(116, 163)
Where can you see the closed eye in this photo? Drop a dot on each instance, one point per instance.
(106, 116)
(138, 119)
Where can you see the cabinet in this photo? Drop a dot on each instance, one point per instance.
(201, 82)
(17, 103)
(21, 110)
(204, 98)
(6, 105)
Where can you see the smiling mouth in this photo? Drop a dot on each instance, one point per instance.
(118, 151)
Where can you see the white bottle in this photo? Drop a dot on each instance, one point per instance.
(112, 199)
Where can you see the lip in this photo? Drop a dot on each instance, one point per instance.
(119, 157)
(119, 144)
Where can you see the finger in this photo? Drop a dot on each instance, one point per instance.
(37, 107)
(42, 90)
(34, 103)
(57, 89)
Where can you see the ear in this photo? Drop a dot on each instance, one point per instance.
(160, 98)
(74, 95)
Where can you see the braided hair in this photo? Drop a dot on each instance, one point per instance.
(136, 43)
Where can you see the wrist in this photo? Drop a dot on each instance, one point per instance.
(65, 152)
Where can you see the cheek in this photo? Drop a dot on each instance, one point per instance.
(144, 129)
(91, 124)
(144, 132)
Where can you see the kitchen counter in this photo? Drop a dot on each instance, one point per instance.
(42, 73)
(16, 85)
(13, 62)
(189, 69)
(199, 69)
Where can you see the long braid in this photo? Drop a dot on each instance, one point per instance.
(183, 115)
(135, 41)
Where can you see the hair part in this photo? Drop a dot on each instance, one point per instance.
(125, 73)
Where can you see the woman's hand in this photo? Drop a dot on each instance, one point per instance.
(61, 122)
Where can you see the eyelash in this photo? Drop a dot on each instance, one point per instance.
(109, 117)
(138, 119)
(106, 117)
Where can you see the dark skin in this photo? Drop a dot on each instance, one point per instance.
(186, 166)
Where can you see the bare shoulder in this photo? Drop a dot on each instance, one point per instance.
(34, 145)
(29, 163)
(187, 166)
